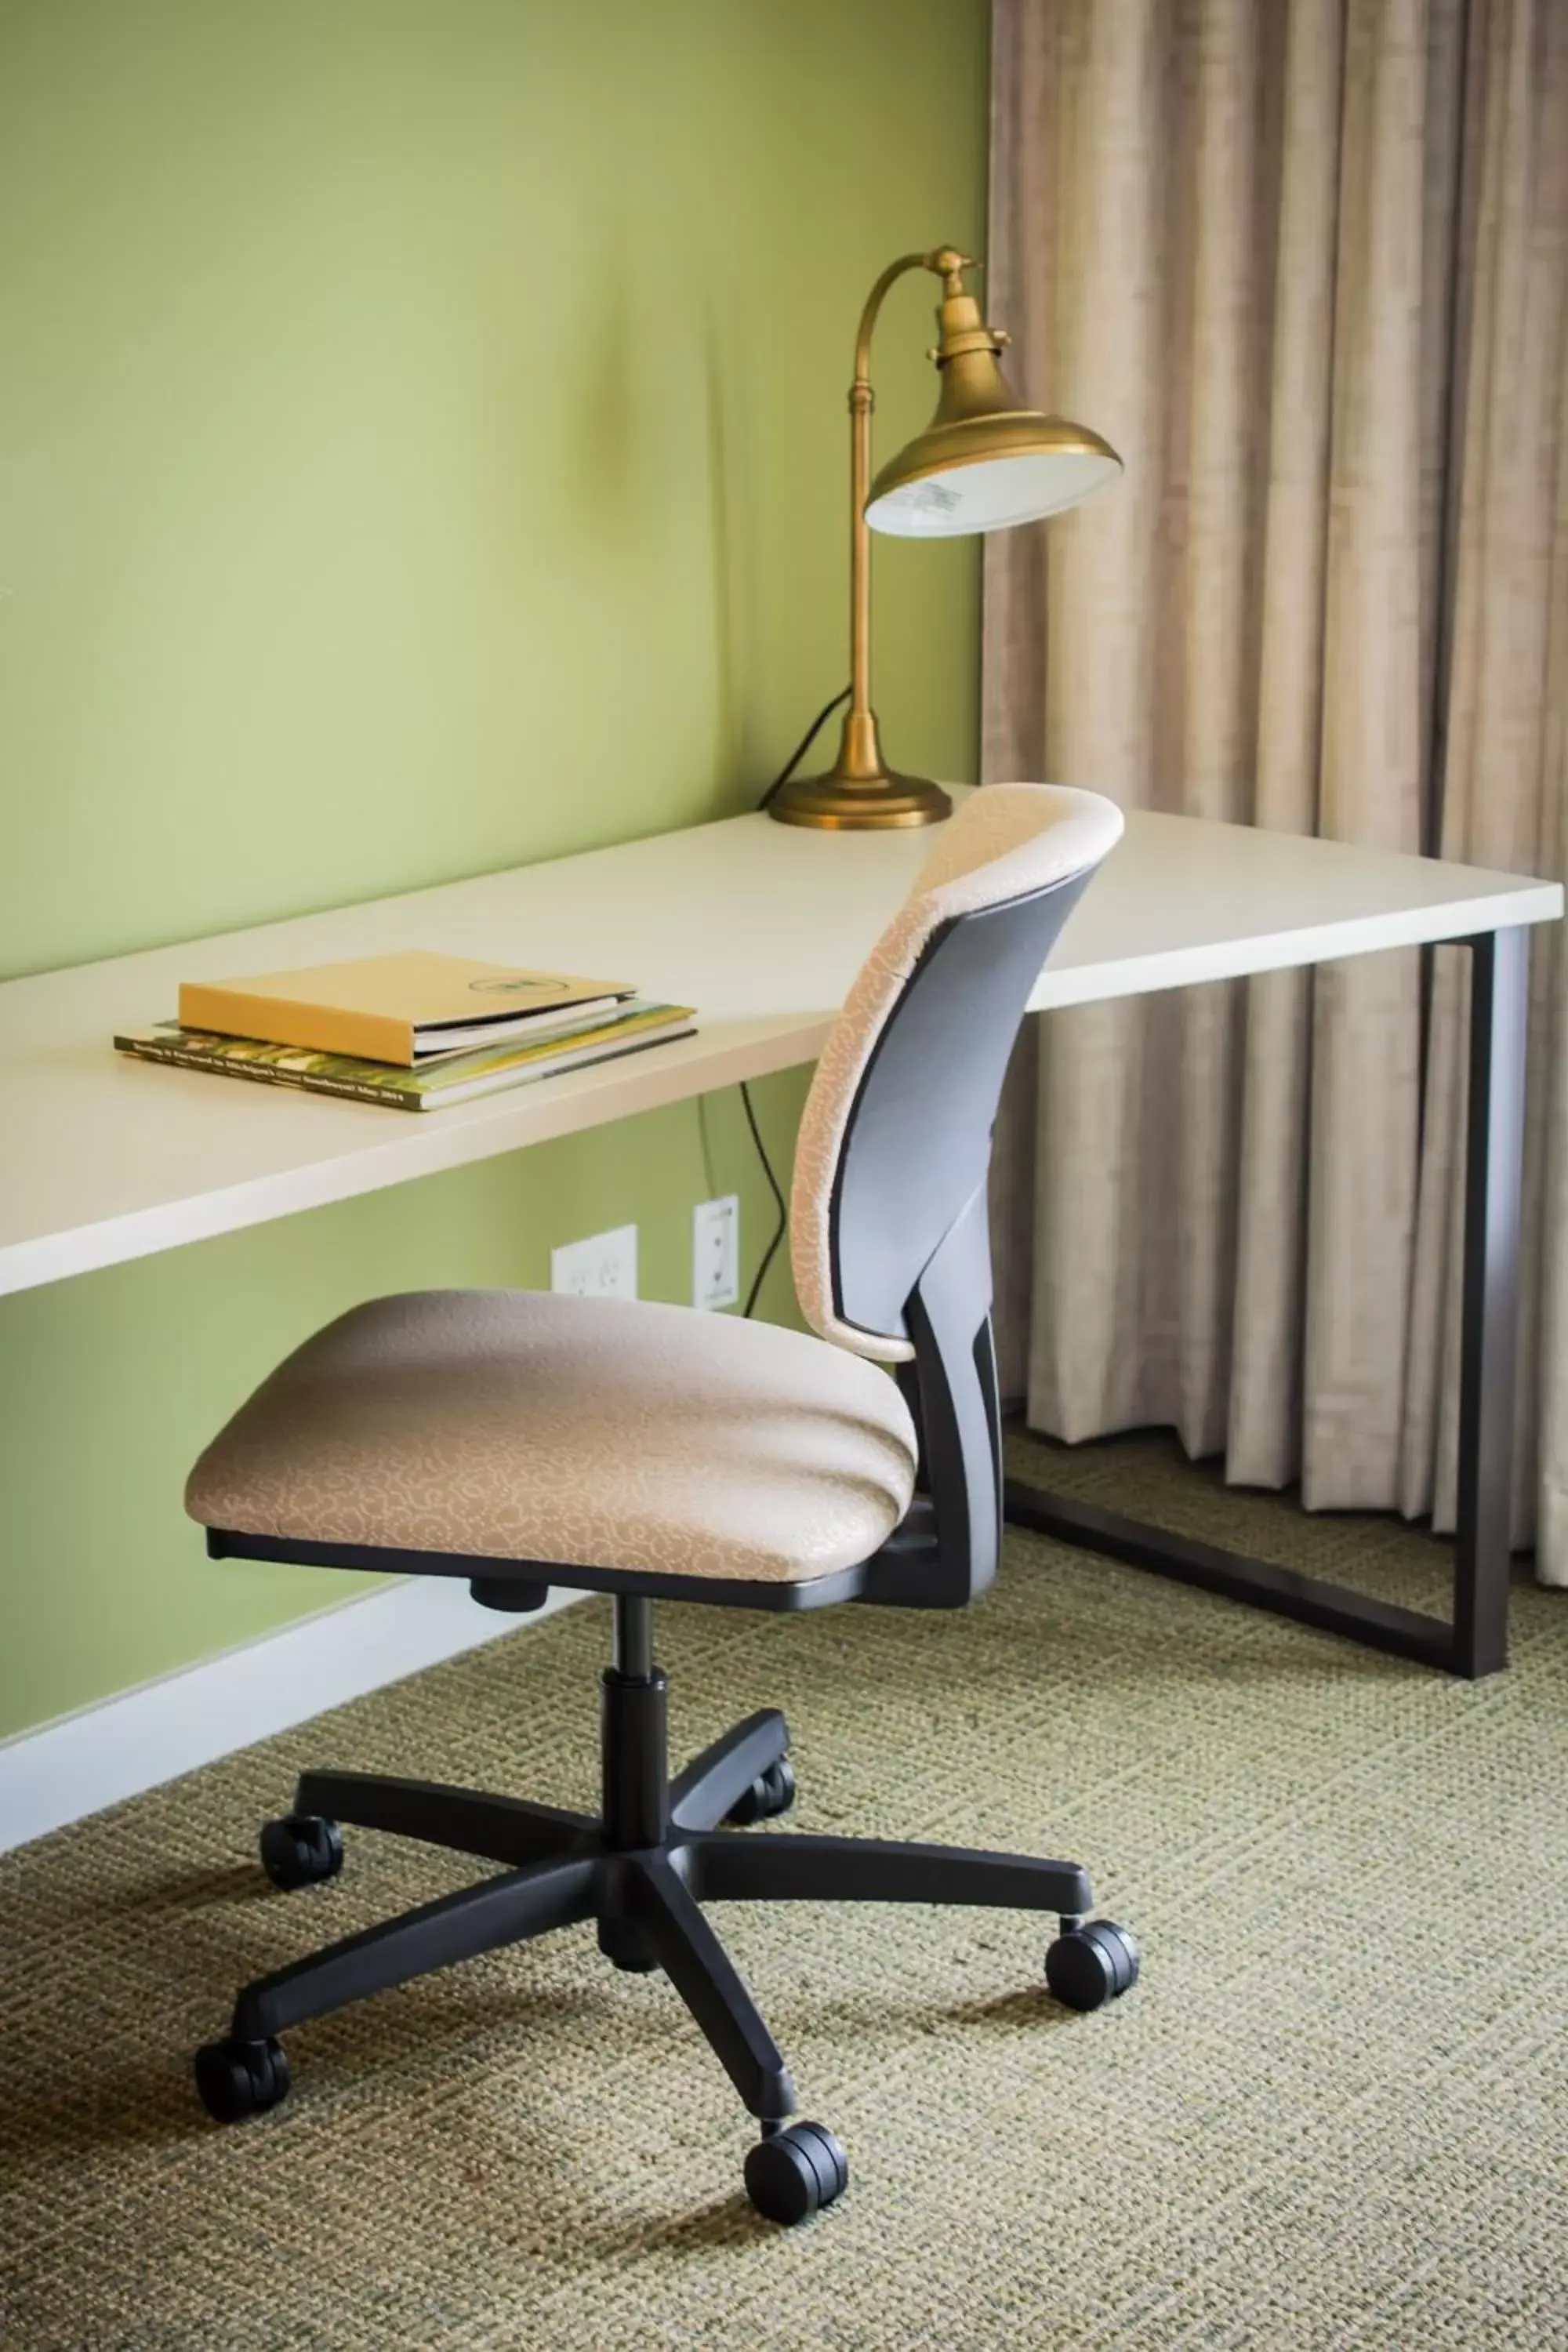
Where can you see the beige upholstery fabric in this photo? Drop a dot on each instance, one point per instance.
(599, 1432)
(1001, 843)
(1303, 265)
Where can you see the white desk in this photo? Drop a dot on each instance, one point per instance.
(762, 927)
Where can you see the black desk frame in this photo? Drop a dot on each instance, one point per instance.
(1474, 1641)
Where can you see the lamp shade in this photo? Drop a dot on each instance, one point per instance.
(985, 462)
(986, 474)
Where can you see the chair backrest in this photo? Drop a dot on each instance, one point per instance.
(888, 1230)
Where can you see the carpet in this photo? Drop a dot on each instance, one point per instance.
(1333, 2114)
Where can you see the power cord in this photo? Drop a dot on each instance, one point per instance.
(781, 1227)
(803, 747)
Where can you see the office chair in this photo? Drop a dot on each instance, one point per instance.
(653, 1452)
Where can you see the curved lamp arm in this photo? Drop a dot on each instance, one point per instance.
(943, 261)
(859, 756)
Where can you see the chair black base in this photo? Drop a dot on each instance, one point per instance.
(642, 1868)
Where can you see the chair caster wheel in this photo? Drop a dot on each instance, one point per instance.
(793, 2173)
(236, 2079)
(1091, 1964)
(771, 1792)
(300, 1849)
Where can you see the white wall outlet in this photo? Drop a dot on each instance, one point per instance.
(603, 1267)
(716, 1251)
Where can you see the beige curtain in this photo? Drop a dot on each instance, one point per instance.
(1306, 266)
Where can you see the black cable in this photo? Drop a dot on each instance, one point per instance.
(803, 747)
(783, 1225)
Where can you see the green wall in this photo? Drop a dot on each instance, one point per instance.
(422, 444)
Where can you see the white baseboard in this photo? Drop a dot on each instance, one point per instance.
(81, 1762)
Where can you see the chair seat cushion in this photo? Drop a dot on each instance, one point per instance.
(593, 1431)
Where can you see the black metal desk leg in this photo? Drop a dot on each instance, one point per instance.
(1474, 1640)
(1499, 1005)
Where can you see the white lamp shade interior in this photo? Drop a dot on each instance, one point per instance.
(990, 493)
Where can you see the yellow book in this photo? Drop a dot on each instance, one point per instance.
(398, 1008)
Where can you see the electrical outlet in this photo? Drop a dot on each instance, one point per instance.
(603, 1266)
(716, 1251)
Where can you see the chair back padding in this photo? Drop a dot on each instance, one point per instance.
(896, 1133)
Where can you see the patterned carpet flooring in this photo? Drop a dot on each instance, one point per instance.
(1333, 2114)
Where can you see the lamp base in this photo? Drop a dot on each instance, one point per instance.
(837, 803)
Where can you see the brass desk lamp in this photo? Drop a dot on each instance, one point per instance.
(981, 463)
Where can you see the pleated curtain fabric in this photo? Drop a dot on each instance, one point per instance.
(1306, 266)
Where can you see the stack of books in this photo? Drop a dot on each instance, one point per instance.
(413, 1031)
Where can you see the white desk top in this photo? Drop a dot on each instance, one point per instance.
(760, 926)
